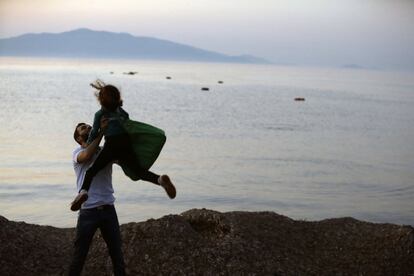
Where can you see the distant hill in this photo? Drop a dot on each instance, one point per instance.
(352, 66)
(85, 43)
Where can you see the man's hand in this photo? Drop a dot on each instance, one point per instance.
(91, 149)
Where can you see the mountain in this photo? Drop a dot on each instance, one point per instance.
(86, 43)
(352, 66)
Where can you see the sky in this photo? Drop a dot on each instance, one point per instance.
(372, 33)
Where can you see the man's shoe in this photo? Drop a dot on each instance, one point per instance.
(166, 183)
(79, 200)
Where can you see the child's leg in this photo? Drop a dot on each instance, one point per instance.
(106, 155)
(128, 157)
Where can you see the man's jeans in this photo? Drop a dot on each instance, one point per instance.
(89, 220)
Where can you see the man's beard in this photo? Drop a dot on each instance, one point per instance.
(85, 137)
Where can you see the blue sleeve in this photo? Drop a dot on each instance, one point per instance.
(95, 127)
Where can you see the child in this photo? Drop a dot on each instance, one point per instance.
(117, 146)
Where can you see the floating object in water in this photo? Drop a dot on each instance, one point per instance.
(168, 78)
(130, 73)
(205, 89)
(299, 99)
(220, 82)
(111, 72)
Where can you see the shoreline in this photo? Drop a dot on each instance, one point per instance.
(201, 241)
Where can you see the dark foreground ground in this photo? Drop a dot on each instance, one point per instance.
(205, 242)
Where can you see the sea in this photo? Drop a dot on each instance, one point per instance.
(245, 144)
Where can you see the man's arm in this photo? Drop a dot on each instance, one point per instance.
(91, 149)
(95, 127)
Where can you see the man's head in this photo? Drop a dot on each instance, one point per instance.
(81, 133)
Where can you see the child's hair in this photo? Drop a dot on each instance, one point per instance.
(108, 95)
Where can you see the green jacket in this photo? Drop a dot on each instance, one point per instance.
(116, 119)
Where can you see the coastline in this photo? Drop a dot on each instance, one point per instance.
(201, 241)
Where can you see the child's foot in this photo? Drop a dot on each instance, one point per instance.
(79, 200)
(166, 183)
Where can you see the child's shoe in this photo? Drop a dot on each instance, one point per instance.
(166, 183)
(79, 200)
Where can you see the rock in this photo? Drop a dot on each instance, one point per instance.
(207, 242)
(220, 82)
(168, 78)
(205, 89)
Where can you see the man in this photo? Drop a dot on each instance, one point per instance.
(98, 211)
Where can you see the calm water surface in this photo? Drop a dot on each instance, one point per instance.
(244, 145)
